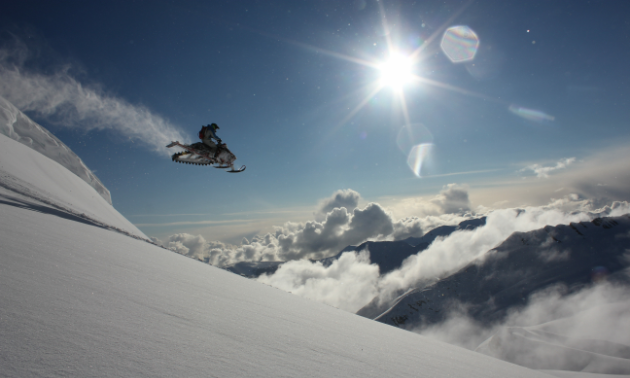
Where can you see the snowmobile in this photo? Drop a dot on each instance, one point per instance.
(200, 154)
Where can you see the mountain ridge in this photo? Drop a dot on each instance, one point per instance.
(18, 126)
(487, 287)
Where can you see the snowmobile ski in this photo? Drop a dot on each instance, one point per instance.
(241, 169)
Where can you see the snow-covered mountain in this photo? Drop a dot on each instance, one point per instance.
(444, 231)
(31, 180)
(82, 295)
(567, 259)
(16, 125)
(525, 263)
(388, 255)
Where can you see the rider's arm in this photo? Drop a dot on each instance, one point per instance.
(214, 135)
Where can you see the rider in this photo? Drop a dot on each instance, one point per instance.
(208, 133)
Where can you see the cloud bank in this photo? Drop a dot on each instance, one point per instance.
(341, 226)
(582, 331)
(61, 99)
(462, 247)
(341, 223)
(348, 283)
(443, 257)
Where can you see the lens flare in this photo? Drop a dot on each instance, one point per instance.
(419, 157)
(531, 114)
(413, 135)
(460, 44)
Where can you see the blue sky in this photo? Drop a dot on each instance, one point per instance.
(289, 84)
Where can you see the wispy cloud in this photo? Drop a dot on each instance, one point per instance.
(463, 173)
(542, 171)
(61, 99)
(223, 214)
(195, 223)
(531, 114)
(600, 178)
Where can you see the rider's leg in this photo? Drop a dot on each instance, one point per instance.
(217, 151)
(212, 147)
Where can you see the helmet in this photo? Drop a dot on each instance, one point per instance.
(215, 126)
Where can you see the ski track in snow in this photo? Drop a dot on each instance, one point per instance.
(19, 187)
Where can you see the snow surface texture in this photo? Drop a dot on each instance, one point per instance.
(31, 180)
(16, 125)
(82, 301)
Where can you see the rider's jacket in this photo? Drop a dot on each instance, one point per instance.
(210, 134)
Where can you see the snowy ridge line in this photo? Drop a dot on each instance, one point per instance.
(12, 183)
(529, 263)
(18, 126)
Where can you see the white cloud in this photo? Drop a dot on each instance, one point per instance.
(319, 239)
(444, 256)
(408, 227)
(557, 330)
(453, 199)
(348, 283)
(600, 178)
(462, 247)
(544, 171)
(62, 99)
(340, 229)
(451, 205)
(347, 198)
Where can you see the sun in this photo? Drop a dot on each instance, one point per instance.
(396, 71)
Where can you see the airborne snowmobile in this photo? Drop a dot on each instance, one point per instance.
(200, 154)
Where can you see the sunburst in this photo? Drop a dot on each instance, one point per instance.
(397, 71)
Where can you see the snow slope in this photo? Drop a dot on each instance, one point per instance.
(30, 179)
(16, 125)
(81, 300)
